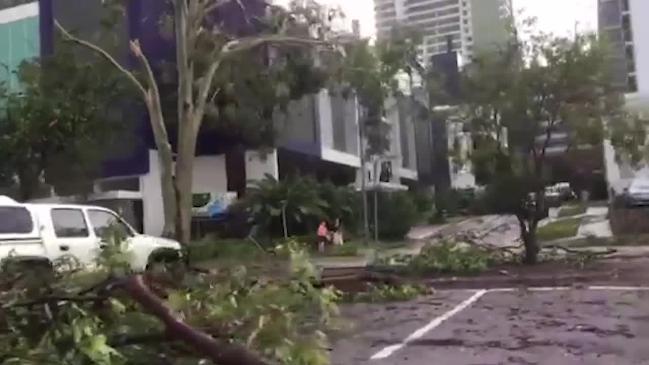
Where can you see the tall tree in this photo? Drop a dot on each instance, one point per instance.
(533, 90)
(370, 73)
(204, 48)
(60, 117)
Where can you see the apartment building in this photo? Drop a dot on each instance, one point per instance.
(19, 37)
(622, 23)
(317, 135)
(473, 26)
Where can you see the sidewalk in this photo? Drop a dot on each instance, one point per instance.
(368, 255)
(594, 223)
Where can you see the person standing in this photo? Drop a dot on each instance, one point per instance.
(323, 236)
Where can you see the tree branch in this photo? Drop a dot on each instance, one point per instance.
(218, 351)
(46, 300)
(101, 52)
(136, 49)
(232, 48)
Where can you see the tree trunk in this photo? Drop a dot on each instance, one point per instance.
(219, 352)
(361, 138)
(185, 179)
(166, 163)
(28, 182)
(528, 236)
(532, 248)
(284, 222)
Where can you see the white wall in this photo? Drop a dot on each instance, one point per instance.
(151, 189)
(325, 127)
(19, 12)
(258, 164)
(619, 176)
(323, 107)
(640, 27)
(209, 176)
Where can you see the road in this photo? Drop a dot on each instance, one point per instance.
(554, 326)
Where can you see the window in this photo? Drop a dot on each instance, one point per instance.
(625, 5)
(69, 223)
(15, 220)
(632, 84)
(128, 184)
(106, 224)
(630, 54)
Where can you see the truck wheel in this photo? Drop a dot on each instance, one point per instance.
(163, 260)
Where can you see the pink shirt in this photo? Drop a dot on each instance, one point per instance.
(322, 230)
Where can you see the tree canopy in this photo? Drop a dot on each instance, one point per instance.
(59, 123)
(543, 96)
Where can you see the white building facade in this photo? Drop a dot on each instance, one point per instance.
(624, 25)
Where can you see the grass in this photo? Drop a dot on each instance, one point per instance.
(564, 228)
(572, 210)
(226, 249)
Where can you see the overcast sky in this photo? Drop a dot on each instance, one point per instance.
(556, 16)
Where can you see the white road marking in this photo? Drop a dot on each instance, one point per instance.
(388, 351)
(619, 288)
(563, 288)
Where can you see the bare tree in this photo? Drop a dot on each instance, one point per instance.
(202, 47)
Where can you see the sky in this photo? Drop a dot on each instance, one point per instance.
(555, 16)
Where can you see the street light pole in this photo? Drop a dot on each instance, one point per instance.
(361, 137)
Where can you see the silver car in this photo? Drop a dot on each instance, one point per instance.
(638, 192)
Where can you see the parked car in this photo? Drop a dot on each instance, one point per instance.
(638, 192)
(45, 233)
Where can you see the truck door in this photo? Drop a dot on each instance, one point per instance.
(72, 236)
(108, 226)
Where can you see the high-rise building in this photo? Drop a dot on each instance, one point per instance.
(627, 32)
(19, 38)
(622, 23)
(469, 26)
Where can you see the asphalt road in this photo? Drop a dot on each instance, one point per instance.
(554, 327)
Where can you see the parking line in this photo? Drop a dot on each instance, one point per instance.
(389, 350)
(563, 288)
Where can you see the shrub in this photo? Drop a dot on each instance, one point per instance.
(342, 202)
(383, 293)
(217, 248)
(450, 257)
(424, 200)
(294, 206)
(462, 201)
(397, 214)
(284, 206)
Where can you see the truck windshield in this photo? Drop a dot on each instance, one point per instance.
(15, 220)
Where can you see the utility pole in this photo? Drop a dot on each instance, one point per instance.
(361, 137)
(376, 203)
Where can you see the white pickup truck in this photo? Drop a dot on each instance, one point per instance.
(47, 232)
